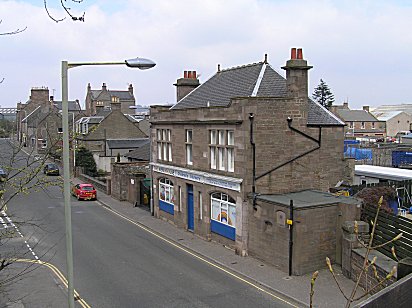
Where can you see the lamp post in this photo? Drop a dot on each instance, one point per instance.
(140, 63)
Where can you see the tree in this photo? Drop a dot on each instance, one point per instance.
(84, 158)
(323, 95)
(67, 9)
(24, 175)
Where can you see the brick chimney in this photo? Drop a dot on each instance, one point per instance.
(297, 74)
(187, 84)
(366, 108)
(131, 89)
(345, 105)
(104, 88)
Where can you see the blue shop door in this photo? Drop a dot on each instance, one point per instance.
(190, 210)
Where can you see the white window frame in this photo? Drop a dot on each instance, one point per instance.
(167, 186)
(189, 147)
(222, 149)
(224, 204)
(164, 144)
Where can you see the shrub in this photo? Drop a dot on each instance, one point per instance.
(370, 196)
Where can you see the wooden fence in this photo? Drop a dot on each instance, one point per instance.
(388, 226)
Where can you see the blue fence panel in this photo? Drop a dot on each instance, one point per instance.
(401, 158)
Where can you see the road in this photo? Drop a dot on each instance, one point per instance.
(117, 264)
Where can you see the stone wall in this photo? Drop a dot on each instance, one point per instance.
(125, 180)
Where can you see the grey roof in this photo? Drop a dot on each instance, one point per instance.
(356, 115)
(104, 112)
(126, 143)
(253, 80)
(307, 198)
(142, 153)
(122, 95)
(73, 105)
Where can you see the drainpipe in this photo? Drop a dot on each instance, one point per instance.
(290, 223)
(252, 142)
(318, 141)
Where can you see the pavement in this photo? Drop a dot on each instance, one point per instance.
(295, 289)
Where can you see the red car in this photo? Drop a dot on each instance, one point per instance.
(84, 192)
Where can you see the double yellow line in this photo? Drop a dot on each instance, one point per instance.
(59, 275)
(251, 284)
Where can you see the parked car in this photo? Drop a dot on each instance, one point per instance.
(51, 169)
(3, 175)
(84, 192)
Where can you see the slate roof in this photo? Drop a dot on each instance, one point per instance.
(122, 95)
(73, 105)
(355, 115)
(252, 80)
(142, 153)
(126, 143)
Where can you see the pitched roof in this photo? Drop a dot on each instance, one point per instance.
(122, 95)
(252, 80)
(356, 115)
(142, 153)
(126, 143)
(73, 105)
(386, 115)
(400, 107)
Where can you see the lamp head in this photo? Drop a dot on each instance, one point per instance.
(140, 63)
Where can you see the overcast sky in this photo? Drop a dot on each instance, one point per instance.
(361, 49)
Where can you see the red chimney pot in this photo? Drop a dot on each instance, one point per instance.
(293, 53)
(185, 74)
(300, 55)
(194, 74)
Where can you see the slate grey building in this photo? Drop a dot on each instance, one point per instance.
(247, 131)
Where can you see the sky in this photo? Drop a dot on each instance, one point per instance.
(361, 49)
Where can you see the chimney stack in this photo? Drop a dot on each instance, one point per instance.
(366, 108)
(297, 75)
(187, 84)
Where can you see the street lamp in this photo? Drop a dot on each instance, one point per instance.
(140, 63)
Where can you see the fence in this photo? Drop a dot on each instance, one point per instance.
(387, 227)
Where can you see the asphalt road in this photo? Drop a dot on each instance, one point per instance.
(117, 264)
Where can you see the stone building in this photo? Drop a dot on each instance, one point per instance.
(245, 132)
(97, 100)
(94, 133)
(39, 122)
(360, 123)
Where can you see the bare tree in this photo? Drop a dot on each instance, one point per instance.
(67, 9)
(12, 32)
(24, 171)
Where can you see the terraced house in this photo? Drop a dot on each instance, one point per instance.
(229, 144)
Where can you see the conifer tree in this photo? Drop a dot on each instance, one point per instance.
(323, 95)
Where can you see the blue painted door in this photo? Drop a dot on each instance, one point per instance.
(190, 210)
